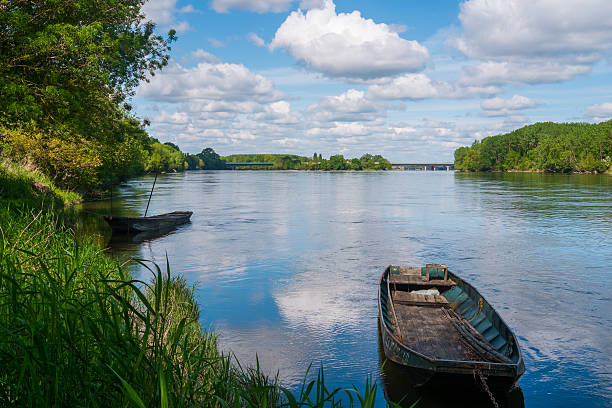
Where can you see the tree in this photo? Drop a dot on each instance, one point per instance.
(71, 61)
(172, 145)
(66, 69)
(337, 162)
(211, 160)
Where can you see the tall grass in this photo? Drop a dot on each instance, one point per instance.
(77, 330)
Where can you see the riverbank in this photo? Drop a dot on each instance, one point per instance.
(609, 171)
(77, 330)
(548, 147)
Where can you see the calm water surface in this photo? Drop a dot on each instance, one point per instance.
(287, 266)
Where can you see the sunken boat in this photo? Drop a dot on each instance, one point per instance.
(437, 325)
(148, 224)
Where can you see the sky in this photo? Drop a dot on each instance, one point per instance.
(408, 79)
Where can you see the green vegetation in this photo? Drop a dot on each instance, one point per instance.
(66, 71)
(317, 162)
(211, 160)
(550, 147)
(24, 183)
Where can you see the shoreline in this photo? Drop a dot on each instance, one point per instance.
(592, 173)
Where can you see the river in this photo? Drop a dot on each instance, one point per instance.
(287, 266)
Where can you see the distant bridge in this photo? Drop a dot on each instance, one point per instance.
(423, 166)
(249, 164)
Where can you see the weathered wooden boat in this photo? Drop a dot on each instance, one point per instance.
(438, 325)
(151, 223)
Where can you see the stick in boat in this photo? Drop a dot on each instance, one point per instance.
(149, 202)
(479, 346)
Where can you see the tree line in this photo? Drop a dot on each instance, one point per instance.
(316, 162)
(548, 146)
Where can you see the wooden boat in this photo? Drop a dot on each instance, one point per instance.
(434, 322)
(151, 223)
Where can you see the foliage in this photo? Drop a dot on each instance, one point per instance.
(317, 162)
(25, 183)
(211, 160)
(551, 147)
(66, 69)
(194, 162)
(288, 162)
(165, 157)
(69, 63)
(376, 162)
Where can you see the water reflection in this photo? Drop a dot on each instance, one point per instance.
(288, 263)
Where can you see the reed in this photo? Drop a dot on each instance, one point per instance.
(77, 330)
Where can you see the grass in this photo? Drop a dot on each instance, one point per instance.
(77, 330)
(24, 183)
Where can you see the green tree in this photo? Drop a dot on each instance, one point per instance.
(66, 69)
(337, 162)
(553, 147)
(211, 160)
(71, 61)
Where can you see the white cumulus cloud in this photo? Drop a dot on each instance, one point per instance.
(506, 107)
(352, 105)
(420, 86)
(599, 112)
(501, 72)
(164, 12)
(223, 81)
(346, 45)
(278, 113)
(205, 56)
(549, 40)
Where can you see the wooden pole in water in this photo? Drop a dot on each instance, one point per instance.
(149, 202)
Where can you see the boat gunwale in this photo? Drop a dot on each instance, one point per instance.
(170, 215)
(480, 363)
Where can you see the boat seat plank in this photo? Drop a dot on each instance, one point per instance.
(418, 299)
(418, 280)
(427, 330)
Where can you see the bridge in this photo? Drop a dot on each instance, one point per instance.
(423, 166)
(250, 164)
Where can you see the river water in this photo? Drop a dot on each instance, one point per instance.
(287, 266)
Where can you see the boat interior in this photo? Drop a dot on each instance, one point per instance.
(441, 317)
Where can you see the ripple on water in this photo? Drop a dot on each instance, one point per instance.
(288, 265)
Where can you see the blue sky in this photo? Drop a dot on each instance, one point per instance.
(411, 80)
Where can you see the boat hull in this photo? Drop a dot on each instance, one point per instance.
(425, 369)
(148, 224)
